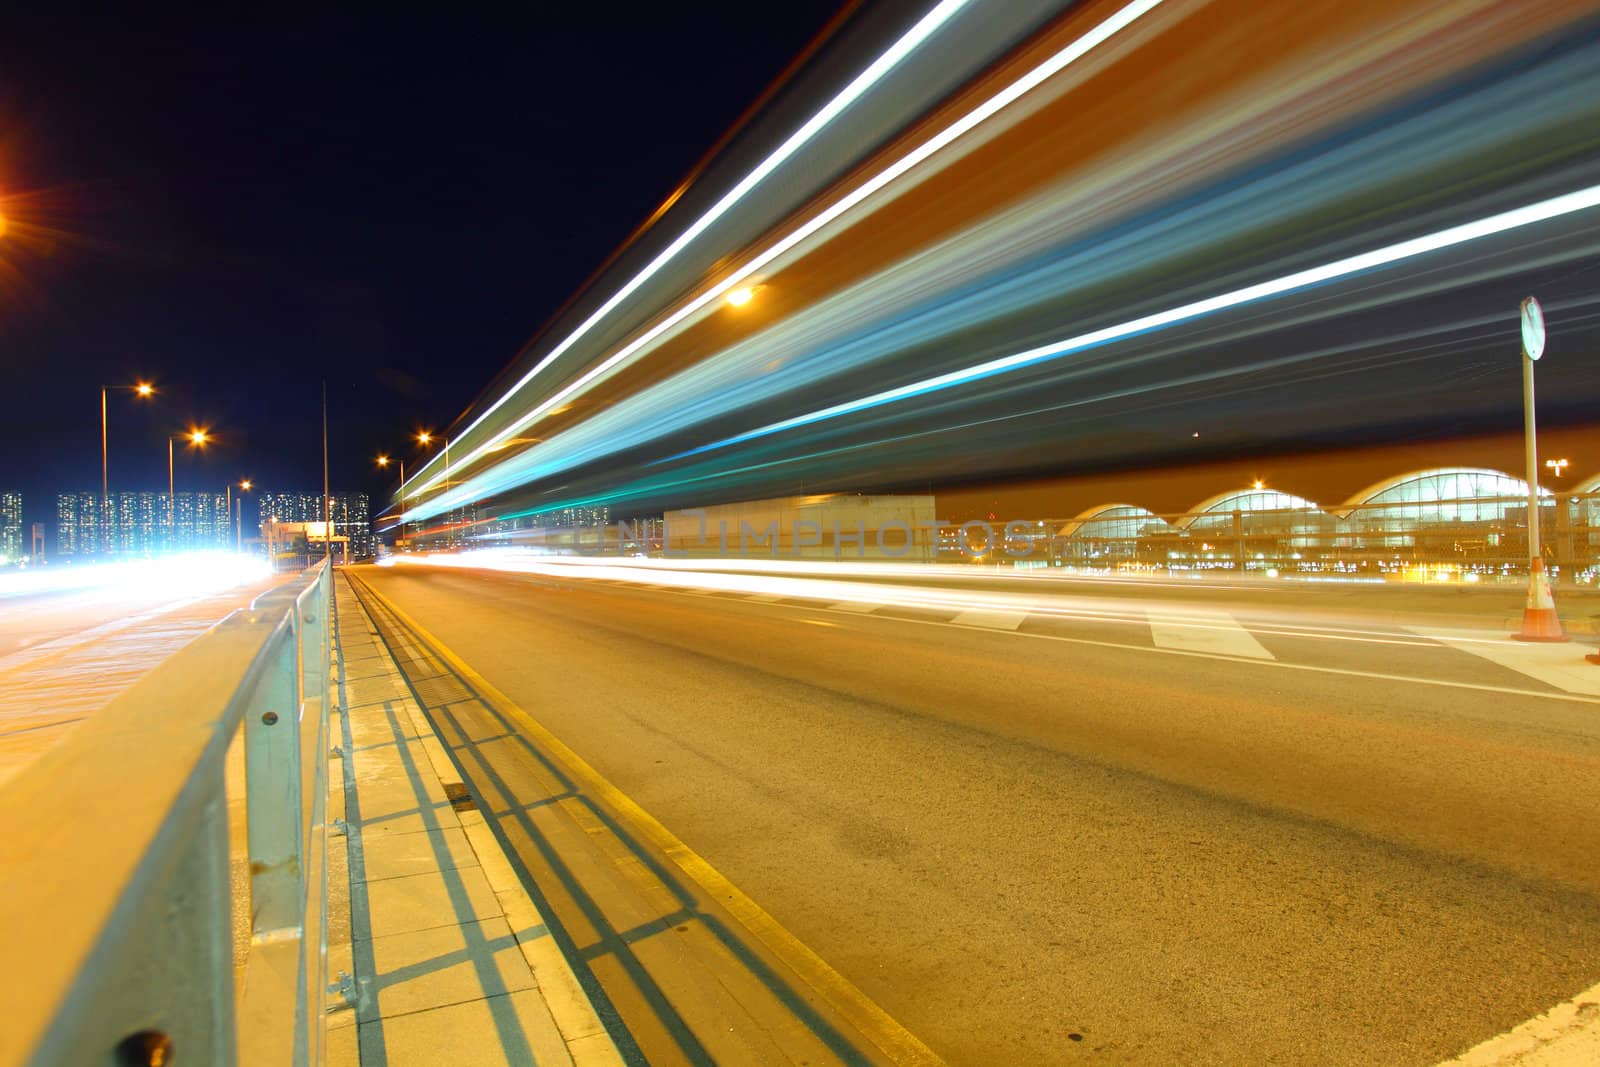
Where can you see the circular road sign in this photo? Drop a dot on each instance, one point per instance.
(1532, 328)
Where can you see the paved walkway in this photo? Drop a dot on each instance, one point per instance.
(452, 961)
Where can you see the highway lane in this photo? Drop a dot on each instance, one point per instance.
(1069, 838)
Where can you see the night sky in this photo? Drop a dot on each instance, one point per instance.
(239, 205)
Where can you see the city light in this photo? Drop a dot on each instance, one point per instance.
(144, 389)
(740, 297)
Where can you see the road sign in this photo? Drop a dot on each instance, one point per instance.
(1532, 328)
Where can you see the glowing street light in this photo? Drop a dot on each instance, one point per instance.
(1557, 465)
(194, 437)
(237, 513)
(426, 438)
(142, 390)
(741, 296)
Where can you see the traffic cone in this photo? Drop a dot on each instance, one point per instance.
(1539, 620)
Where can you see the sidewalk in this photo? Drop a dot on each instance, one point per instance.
(452, 962)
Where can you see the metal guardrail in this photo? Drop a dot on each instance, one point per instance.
(116, 904)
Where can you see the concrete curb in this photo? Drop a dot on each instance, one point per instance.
(1568, 1035)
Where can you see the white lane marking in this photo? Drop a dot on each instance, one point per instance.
(1565, 1036)
(1203, 630)
(1543, 694)
(1561, 665)
(856, 609)
(995, 620)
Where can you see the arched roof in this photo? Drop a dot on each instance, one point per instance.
(1107, 511)
(1590, 484)
(1393, 489)
(1250, 499)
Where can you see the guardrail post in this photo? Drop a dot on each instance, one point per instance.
(275, 810)
(314, 611)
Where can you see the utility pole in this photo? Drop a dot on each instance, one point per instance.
(327, 516)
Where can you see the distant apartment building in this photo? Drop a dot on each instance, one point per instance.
(348, 512)
(141, 524)
(10, 528)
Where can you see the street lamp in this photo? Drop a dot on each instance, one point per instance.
(425, 438)
(1557, 465)
(238, 516)
(193, 438)
(142, 390)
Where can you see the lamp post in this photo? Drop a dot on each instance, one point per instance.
(236, 514)
(425, 438)
(383, 462)
(1539, 619)
(142, 390)
(195, 438)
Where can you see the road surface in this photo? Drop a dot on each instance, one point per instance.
(1140, 828)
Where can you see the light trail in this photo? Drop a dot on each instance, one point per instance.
(838, 583)
(874, 72)
(720, 384)
(183, 575)
(1007, 96)
(1542, 211)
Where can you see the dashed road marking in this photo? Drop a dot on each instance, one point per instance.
(1204, 630)
(1561, 665)
(994, 620)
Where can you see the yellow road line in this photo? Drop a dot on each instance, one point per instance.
(862, 1012)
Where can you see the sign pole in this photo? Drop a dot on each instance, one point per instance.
(1539, 619)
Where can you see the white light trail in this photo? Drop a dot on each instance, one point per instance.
(1516, 218)
(1007, 96)
(166, 577)
(875, 71)
(838, 583)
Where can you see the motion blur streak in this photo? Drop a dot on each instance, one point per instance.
(840, 583)
(1581, 200)
(1105, 241)
(187, 574)
(948, 136)
(925, 27)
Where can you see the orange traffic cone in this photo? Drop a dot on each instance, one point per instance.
(1539, 620)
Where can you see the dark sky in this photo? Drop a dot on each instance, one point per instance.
(239, 205)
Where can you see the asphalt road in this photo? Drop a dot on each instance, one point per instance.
(1120, 835)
